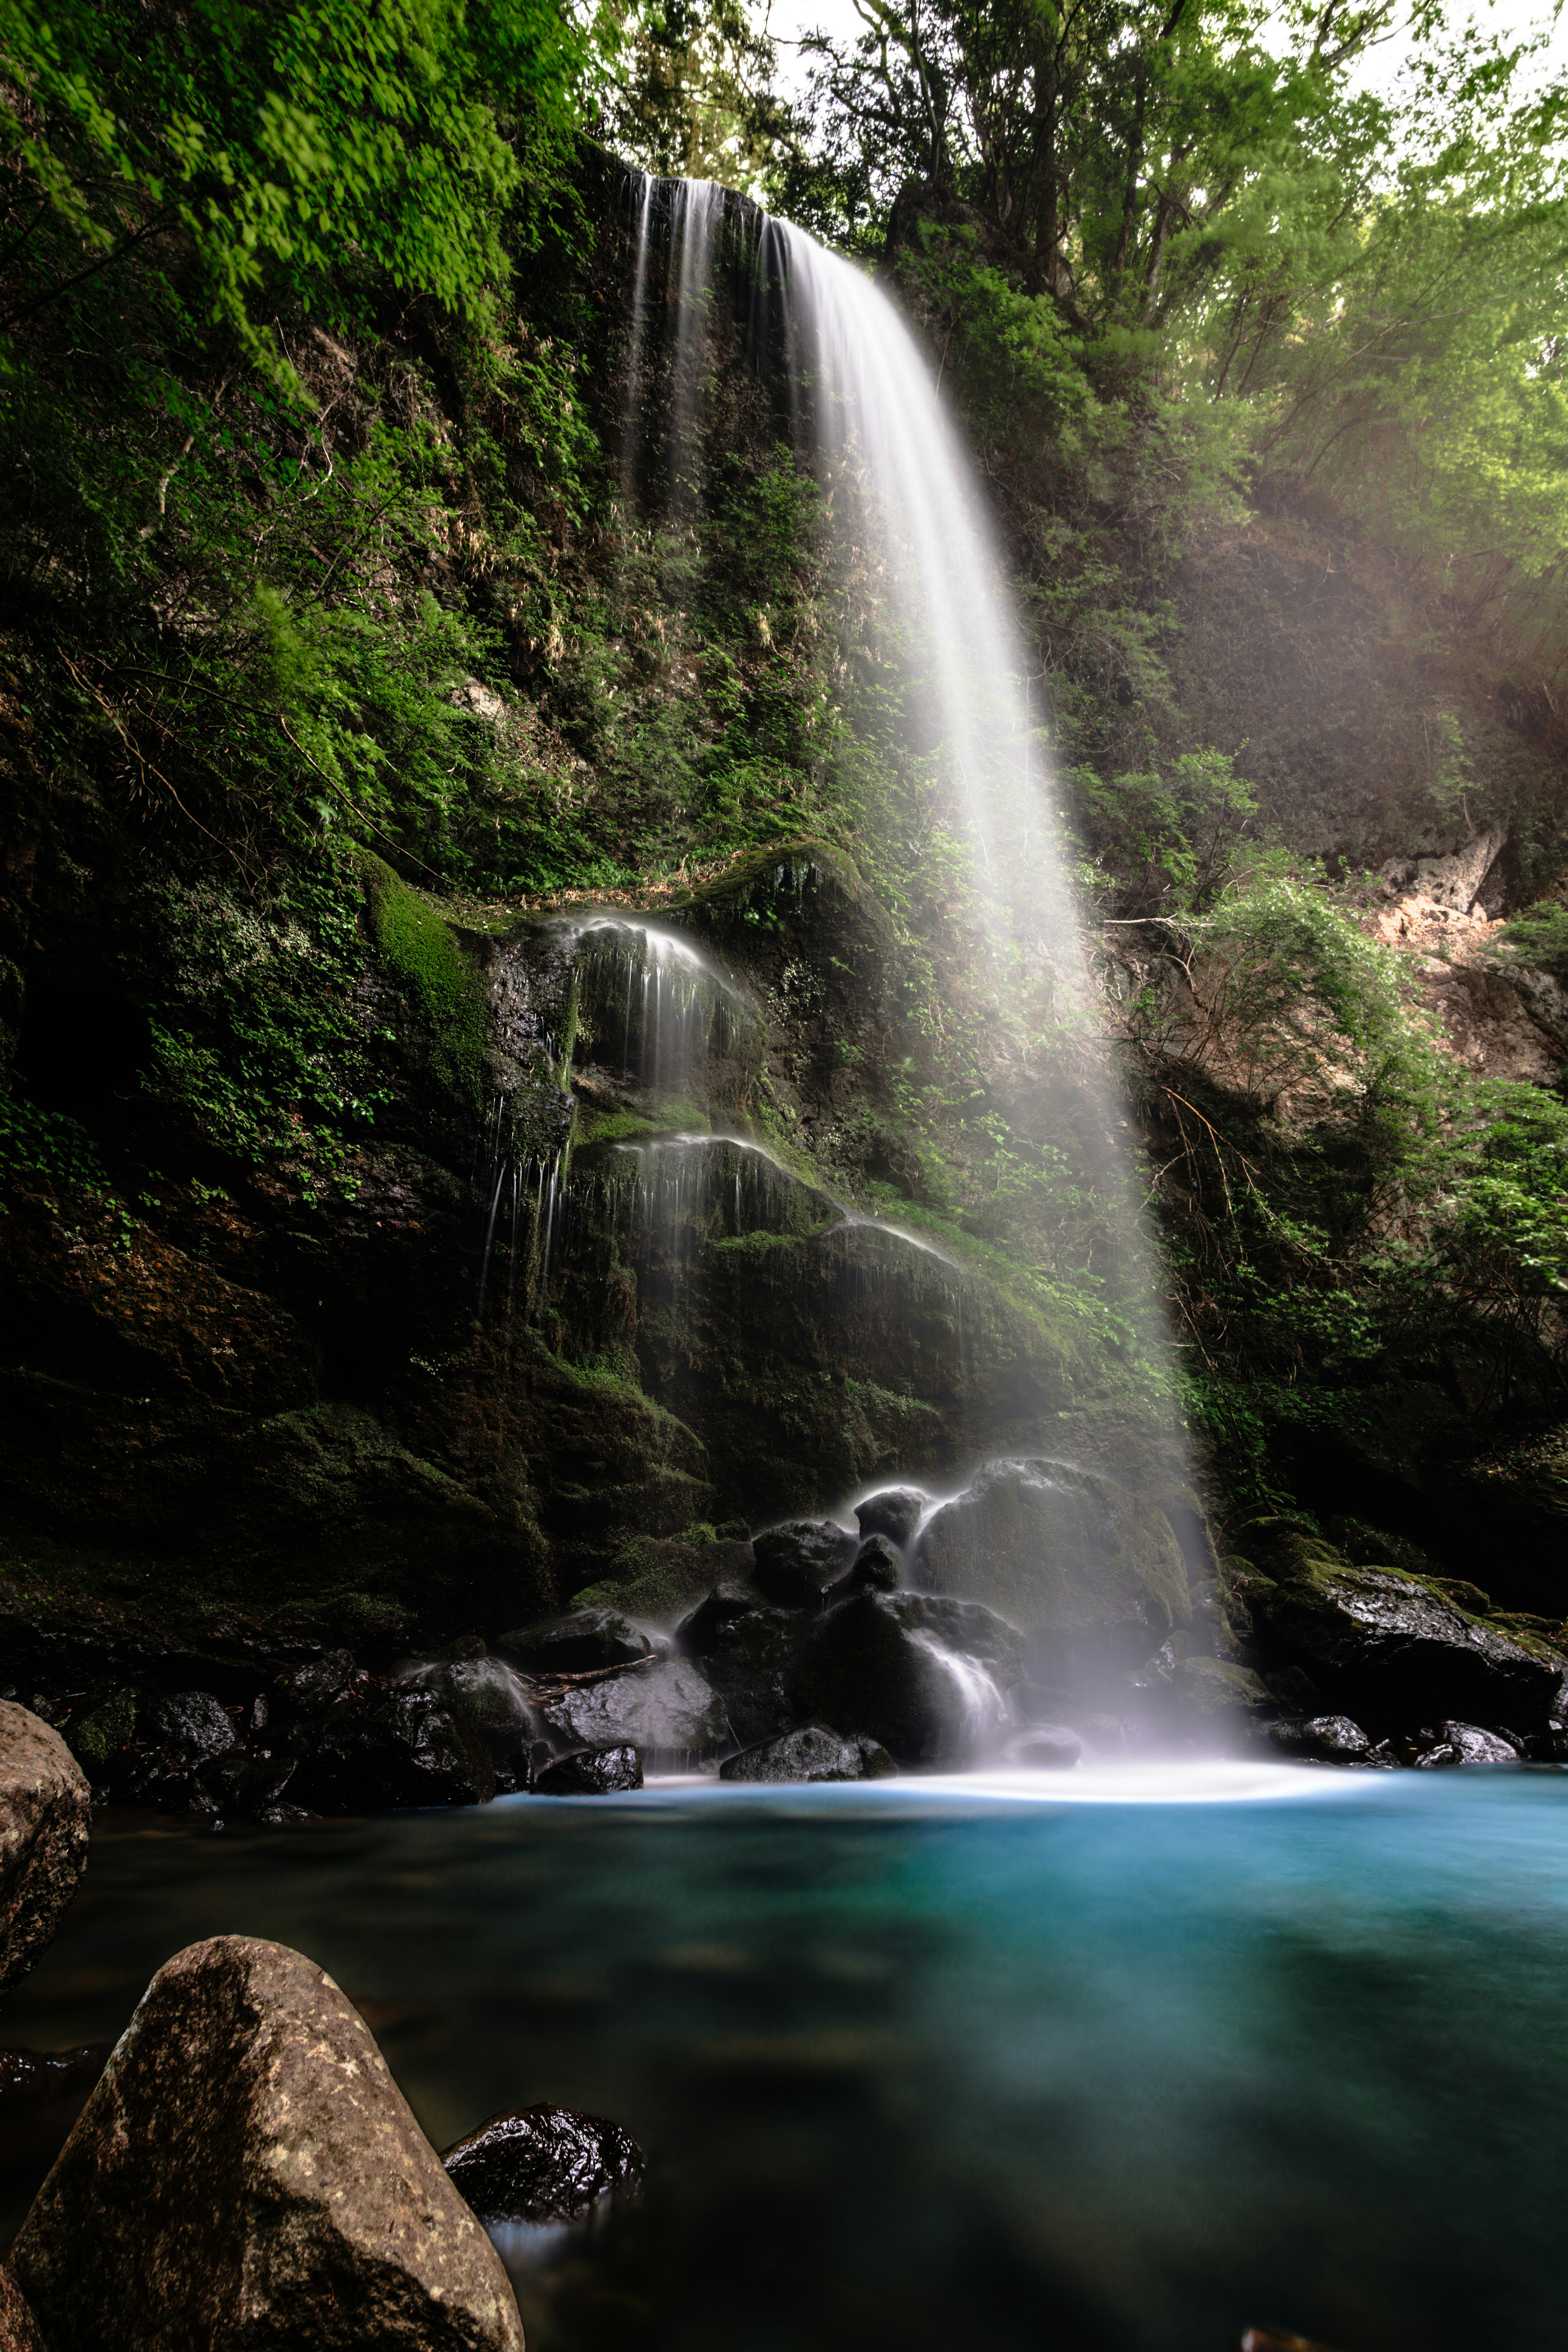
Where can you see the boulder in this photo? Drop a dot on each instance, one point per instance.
(1323, 1739)
(1085, 1566)
(186, 1729)
(894, 1513)
(247, 2174)
(812, 1753)
(18, 2328)
(489, 1694)
(1045, 1747)
(878, 1563)
(544, 2164)
(589, 1772)
(917, 1672)
(748, 1653)
(388, 1749)
(313, 1688)
(249, 1784)
(1388, 1648)
(45, 1806)
(797, 1561)
(667, 1707)
(1466, 1743)
(575, 1644)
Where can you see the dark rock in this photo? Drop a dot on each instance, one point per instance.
(1176, 1692)
(812, 1753)
(186, 1729)
(1046, 1748)
(29, 2076)
(489, 1694)
(45, 1806)
(18, 2328)
(667, 1708)
(589, 1772)
(544, 2164)
(247, 2174)
(1090, 1570)
(1323, 1739)
(575, 1644)
(894, 1513)
(1388, 1648)
(920, 1673)
(397, 1748)
(748, 1653)
(661, 1579)
(797, 1561)
(248, 1783)
(1466, 1743)
(879, 1566)
(313, 1688)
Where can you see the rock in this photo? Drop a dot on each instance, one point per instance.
(917, 1672)
(389, 1749)
(45, 1806)
(250, 1783)
(1457, 882)
(1389, 1648)
(27, 2076)
(878, 1564)
(589, 1772)
(1179, 1691)
(1045, 1747)
(313, 1688)
(1466, 1743)
(576, 1643)
(186, 1729)
(544, 2164)
(18, 2328)
(796, 1562)
(488, 1692)
(247, 2174)
(1089, 1569)
(894, 1513)
(1323, 1739)
(748, 1653)
(667, 1708)
(812, 1753)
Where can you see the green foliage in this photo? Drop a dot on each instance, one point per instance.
(44, 1151)
(102, 1734)
(1167, 843)
(1539, 937)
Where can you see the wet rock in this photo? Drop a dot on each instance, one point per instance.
(18, 2328)
(248, 1785)
(1045, 1747)
(1176, 1692)
(1322, 1739)
(30, 2077)
(391, 1749)
(589, 1772)
(1389, 1648)
(489, 1694)
(1466, 1743)
(920, 1673)
(45, 1805)
(811, 1753)
(1089, 1569)
(667, 1707)
(894, 1513)
(877, 1565)
(575, 1644)
(748, 1653)
(797, 1561)
(313, 1688)
(661, 1579)
(247, 2174)
(188, 1728)
(544, 2164)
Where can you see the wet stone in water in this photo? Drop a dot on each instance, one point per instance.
(1323, 1739)
(895, 1512)
(1465, 1743)
(1046, 1748)
(543, 2164)
(797, 1560)
(589, 1772)
(575, 1644)
(879, 1566)
(812, 1753)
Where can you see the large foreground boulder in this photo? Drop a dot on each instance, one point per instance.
(247, 2174)
(45, 1806)
(918, 1673)
(18, 2328)
(1088, 1568)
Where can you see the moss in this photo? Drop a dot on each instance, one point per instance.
(439, 974)
(623, 1125)
(105, 1731)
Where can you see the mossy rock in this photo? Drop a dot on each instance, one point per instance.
(438, 974)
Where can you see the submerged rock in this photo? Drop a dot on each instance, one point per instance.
(18, 2328)
(589, 1772)
(1323, 1739)
(1466, 1743)
(667, 1707)
(894, 1513)
(748, 1652)
(1046, 1748)
(812, 1753)
(397, 1748)
(575, 1644)
(797, 1561)
(917, 1672)
(247, 2173)
(44, 1808)
(543, 2164)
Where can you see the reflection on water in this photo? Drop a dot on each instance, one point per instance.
(970, 2066)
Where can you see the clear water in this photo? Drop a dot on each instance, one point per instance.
(972, 2064)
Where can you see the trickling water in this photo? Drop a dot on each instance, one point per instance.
(979, 1711)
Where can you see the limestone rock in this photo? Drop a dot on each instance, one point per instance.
(18, 2328)
(669, 1707)
(920, 1673)
(247, 2174)
(589, 1772)
(575, 1644)
(1074, 1558)
(45, 1804)
(812, 1753)
(1457, 882)
(544, 2164)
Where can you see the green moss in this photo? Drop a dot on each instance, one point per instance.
(623, 1126)
(440, 975)
(105, 1731)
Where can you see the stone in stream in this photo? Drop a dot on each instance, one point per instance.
(1323, 1739)
(45, 1806)
(588, 1772)
(894, 1513)
(313, 1688)
(386, 1749)
(917, 1672)
(667, 1708)
(251, 1784)
(878, 1563)
(575, 1644)
(544, 2164)
(247, 2174)
(748, 1653)
(797, 1561)
(811, 1753)
(1465, 1743)
(18, 2328)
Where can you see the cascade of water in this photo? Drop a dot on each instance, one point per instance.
(978, 1709)
(639, 326)
(698, 209)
